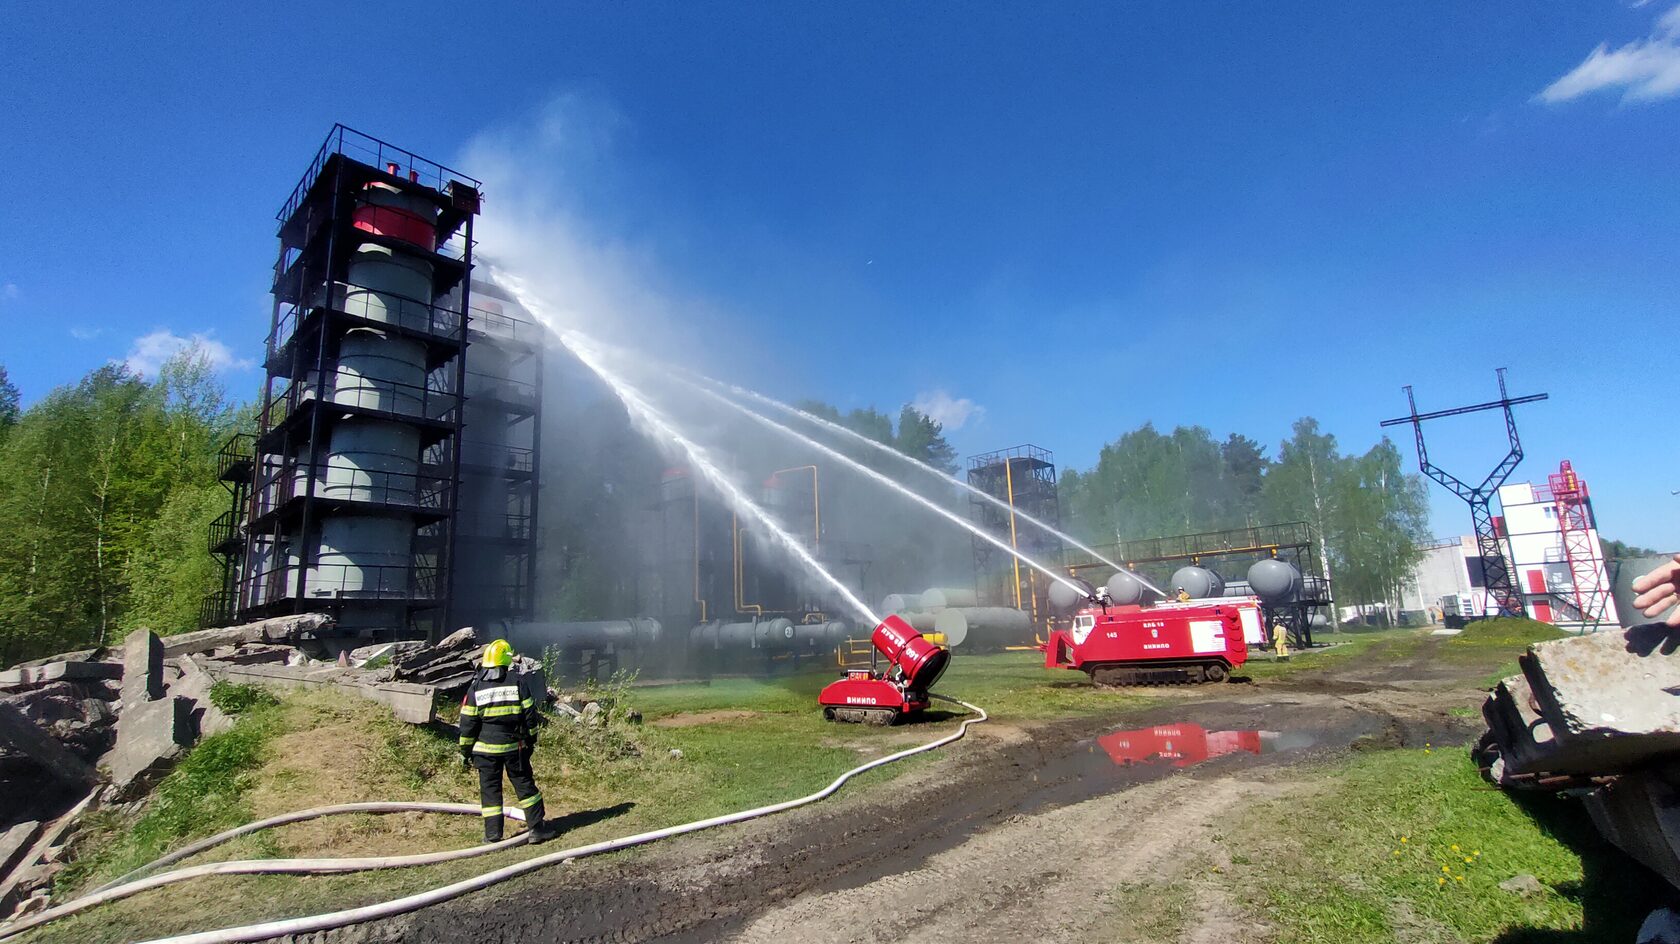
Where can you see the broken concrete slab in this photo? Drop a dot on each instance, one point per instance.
(277, 629)
(151, 737)
(409, 701)
(1613, 693)
(195, 684)
(49, 837)
(21, 734)
(142, 668)
(59, 672)
(15, 841)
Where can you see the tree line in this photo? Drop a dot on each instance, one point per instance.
(107, 491)
(1369, 514)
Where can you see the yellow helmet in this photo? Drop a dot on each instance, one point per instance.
(498, 655)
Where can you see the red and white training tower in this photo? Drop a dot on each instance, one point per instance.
(1580, 545)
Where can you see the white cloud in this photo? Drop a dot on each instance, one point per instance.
(10, 291)
(148, 352)
(1648, 69)
(952, 412)
(86, 334)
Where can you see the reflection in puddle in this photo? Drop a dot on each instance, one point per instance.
(1184, 745)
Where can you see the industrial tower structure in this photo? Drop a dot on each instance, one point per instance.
(1496, 570)
(1024, 480)
(354, 470)
(1580, 546)
(501, 453)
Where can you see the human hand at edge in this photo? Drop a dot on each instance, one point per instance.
(1659, 590)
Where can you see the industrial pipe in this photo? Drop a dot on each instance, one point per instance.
(397, 906)
(535, 636)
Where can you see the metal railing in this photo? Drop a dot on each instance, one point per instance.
(496, 527)
(362, 302)
(372, 151)
(223, 530)
(502, 389)
(489, 455)
(491, 319)
(342, 582)
(239, 448)
(216, 609)
(338, 479)
(385, 396)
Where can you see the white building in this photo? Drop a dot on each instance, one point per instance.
(1450, 575)
(1552, 589)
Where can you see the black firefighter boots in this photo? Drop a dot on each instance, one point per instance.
(542, 831)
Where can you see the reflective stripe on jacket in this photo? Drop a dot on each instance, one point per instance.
(497, 715)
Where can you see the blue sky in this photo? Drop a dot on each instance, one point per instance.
(1051, 222)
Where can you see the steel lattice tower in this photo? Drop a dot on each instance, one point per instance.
(1496, 571)
(1580, 547)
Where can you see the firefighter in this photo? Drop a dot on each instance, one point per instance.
(1280, 641)
(499, 732)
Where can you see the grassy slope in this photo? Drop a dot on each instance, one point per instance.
(1497, 642)
(316, 748)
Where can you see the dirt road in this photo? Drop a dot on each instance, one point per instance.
(1039, 833)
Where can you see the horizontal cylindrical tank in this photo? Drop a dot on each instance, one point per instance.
(372, 460)
(1199, 582)
(940, 597)
(365, 556)
(380, 373)
(1274, 581)
(921, 620)
(1064, 598)
(983, 627)
(533, 637)
(1126, 588)
(389, 286)
(901, 602)
(778, 634)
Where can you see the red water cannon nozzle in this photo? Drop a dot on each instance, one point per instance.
(922, 662)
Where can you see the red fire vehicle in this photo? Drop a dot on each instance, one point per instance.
(1167, 643)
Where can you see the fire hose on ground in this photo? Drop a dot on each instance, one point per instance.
(127, 885)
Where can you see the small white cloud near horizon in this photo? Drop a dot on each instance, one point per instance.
(1648, 69)
(86, 334)
(953, 413)
(148, 352)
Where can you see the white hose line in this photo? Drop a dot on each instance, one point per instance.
(397, 906)
(123, 889)
(299, 816)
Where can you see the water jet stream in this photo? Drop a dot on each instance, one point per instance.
(657, 425)
(856, 436)
(877, 477)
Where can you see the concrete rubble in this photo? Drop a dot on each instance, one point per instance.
(1598, 716)
(107, 724)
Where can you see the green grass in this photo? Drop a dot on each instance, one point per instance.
(205, 794)
(1496, 643)
(1391, 644)
(1413, 845)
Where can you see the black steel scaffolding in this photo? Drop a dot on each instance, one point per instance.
(335, 211)
(1023, 480)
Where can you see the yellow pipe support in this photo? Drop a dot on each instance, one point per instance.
(1009, 483)
(740, 579)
